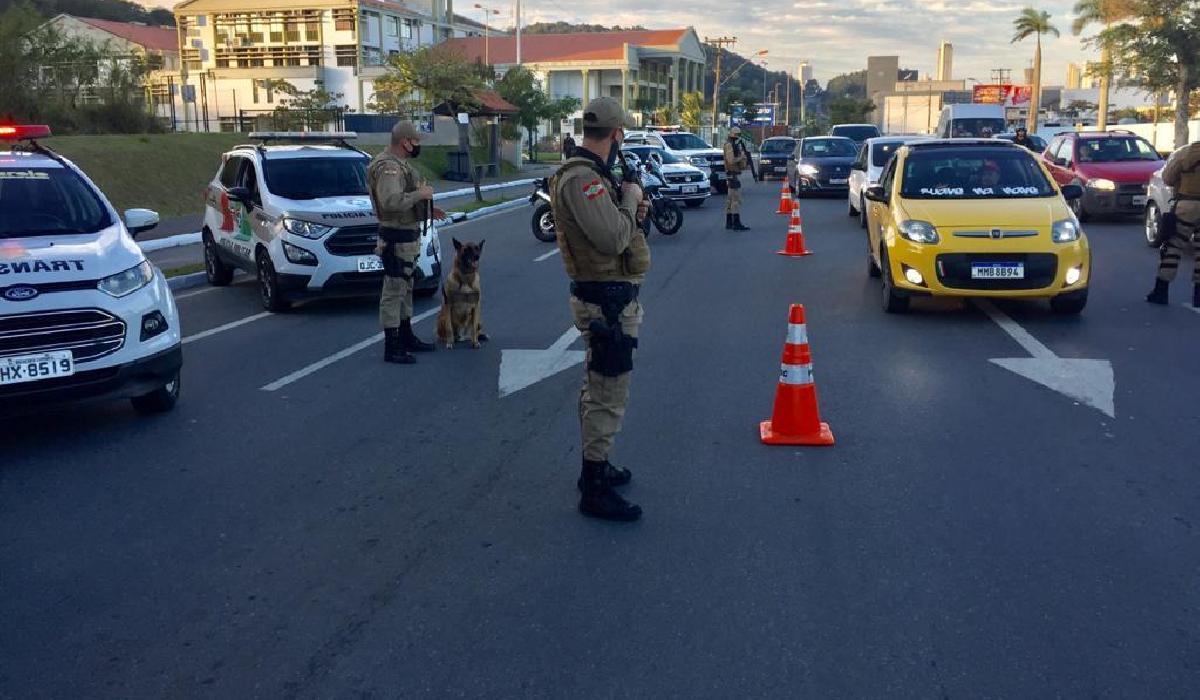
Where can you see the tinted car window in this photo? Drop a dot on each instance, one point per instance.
(977, 127)
(48, 201)
(311, 178)
(684, 142)
(229, 172)
(880, 152)
(975, 173)
(858, 133)
(1109, 150)
(829, 148)
(778, 146)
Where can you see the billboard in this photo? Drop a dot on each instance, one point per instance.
(764, 114)
(1008, 95)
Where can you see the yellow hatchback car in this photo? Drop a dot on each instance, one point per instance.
(975, 218)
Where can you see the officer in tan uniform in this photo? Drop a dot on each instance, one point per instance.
(606, 257)
(737, 159)
(1183, 174)
(402, 202)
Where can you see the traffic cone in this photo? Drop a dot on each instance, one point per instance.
(795, 419)
(785, 199)
(795, 235)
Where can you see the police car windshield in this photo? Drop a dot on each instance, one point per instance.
(684, 142)
(47, 202)
(644, 151)
(314, 178)
(973, 173)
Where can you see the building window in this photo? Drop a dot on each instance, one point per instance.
(347, 55)
(201, 20)
(372, 56)
(312, 31)
(343, 20)
(393, 25)
(409, 26)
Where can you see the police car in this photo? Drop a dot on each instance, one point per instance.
(298, 216)
(83, 314)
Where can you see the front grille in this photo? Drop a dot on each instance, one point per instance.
(88, 333)
(1131, 188)
(353, 240)
(954, 270)
(685, 177)
(716, 162)
(51, 287)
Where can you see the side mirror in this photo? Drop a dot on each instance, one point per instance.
(858, 166)
(875, 193)
(239, 194)
(1072, 192)
(140, 220)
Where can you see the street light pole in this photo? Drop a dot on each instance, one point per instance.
(518, 13)
(487, 11)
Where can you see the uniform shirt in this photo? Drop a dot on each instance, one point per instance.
(393, 184)
(600, 239)
(1183, 171)
(735, 158)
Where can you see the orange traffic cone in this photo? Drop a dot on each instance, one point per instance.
(785, 199)
(795, 235)
(795, 419)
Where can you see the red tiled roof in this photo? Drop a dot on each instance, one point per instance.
(493, 103)
(549, 48)
(153, 38)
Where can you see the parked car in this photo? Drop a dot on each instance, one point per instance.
(1158, 200)
(687, 146)
(684, 182)
(856, 132)
(1113, 167)
(822, 164)
(864, 171)
(773, 157)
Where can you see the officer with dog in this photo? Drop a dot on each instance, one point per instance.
(403, 203)
(737, 159)
(1181, 225)
(606, 257)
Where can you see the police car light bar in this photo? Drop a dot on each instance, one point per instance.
(25, 132)
(303, 135)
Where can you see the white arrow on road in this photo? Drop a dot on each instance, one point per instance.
(523, 368)
(1089, 382)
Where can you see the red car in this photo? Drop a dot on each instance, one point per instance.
(1113, 168)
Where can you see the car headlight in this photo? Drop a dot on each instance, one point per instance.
(698, 161)
(305, 229)
(806, 169)
(1103, 184)
(296, 254)
(919, 231)
(125, 283)
(1064, 231)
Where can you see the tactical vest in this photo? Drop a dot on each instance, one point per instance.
(583, 262)
(409, 218)
(1189, 179)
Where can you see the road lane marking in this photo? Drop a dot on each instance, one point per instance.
(196, 293)
(1189, 307)
(1024, 338)
(546, 256)
(225, 327)
(337, 356)
(523, 368)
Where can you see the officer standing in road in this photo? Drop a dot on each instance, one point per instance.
(402, 202)
(1022, 139)
(737, 159)
(1183, 174)
(606, 257)
(568, 147)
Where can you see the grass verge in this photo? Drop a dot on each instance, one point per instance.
(185, 270)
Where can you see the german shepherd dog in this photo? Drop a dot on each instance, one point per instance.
(460, 317)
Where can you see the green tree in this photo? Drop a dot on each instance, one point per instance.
(1029, 23)
(850, 110)
(519, 88)
(1101, 13)
(306, 109)
(417, 81)
(691, 110)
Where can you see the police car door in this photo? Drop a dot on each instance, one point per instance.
(258, 222)
(230, 226)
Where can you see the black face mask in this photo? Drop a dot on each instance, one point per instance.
(414, 151)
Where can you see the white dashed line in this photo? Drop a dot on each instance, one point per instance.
(546, 256)
(225, 327)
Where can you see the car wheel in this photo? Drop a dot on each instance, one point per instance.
(268, 285)
(862, 214)
(1081, 213)
(893, 303)
(693, 203)
(1153, 225)
(1069, 304)
(872, 269)
(160, 400)
(216, 271)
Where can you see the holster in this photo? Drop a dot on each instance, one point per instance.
(612, 350)
(734, 182)
(393, 265)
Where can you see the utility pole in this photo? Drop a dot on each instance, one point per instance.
(517, 9)
(787, 109)
(718, 44)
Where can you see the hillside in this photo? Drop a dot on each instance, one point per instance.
(116, 10)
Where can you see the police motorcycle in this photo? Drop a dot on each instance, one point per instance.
(543, 216)
(664, 212)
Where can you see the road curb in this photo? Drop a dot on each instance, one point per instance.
(196, 279)
(468, 191)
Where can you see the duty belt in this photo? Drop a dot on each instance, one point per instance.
(605, 293)
(399, 235)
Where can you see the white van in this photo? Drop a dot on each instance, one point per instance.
(971, 121)
(83, 314)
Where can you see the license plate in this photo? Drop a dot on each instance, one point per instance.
(1139, 200)
(782, 169)
(839, 180)
(998, 271)
(32, 368)
(689, 189)
(370, 263)
(720, 176)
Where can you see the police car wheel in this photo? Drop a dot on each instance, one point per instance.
(160, 400)
(215, 270)
(268, 285)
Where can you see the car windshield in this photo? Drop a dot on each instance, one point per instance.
(829, 148)
(684, 142)
(48, 201)
(667, 158)
(977, 127)
(1110, 150)
(881, 153)
(313, 178)
(778, 146)
(977, 173)
(858, 133)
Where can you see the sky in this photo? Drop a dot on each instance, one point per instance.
(835, 36)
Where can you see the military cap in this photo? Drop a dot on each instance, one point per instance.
(735, 131)
(406, 130)
(607, 112)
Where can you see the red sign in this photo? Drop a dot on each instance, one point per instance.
(1008, 95)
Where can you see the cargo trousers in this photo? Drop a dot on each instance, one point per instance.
(396, 299)
(733, 198)
(1186, 241)
(602, 400)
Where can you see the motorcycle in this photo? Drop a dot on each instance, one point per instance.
(543, 215)
(664, 212)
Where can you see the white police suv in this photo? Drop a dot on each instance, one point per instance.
(83, 314)
(299, 217)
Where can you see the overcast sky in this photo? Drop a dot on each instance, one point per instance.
(836, 36)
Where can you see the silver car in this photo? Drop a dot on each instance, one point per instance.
(1158, 200)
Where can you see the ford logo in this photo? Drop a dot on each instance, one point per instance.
(21, 293)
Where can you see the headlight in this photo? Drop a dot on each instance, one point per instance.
(305, 229)
(298, 255)
(1064, 231)
(699, 161)
(127, 282)
(1100, 183)
(806, 169)
(919, 231)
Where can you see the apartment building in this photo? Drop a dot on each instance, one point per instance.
(231, 54)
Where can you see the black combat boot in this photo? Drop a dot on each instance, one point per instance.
(616, 476)
(1196, 296)
(411, 342)
(393, 348)
(728, 221)
(599, 500)
(737, 223)
(1159, 295)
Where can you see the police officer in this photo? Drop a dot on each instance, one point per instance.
(1022, 139)
(606, 257)
(568, 146)
(402, 202)
(1183, 174)
(737, 159)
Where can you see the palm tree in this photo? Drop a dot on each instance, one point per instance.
(1029, 23)
(1101, 12)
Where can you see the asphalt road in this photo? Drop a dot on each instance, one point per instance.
(366, 530)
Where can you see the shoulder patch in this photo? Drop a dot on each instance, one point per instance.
(593, 189)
